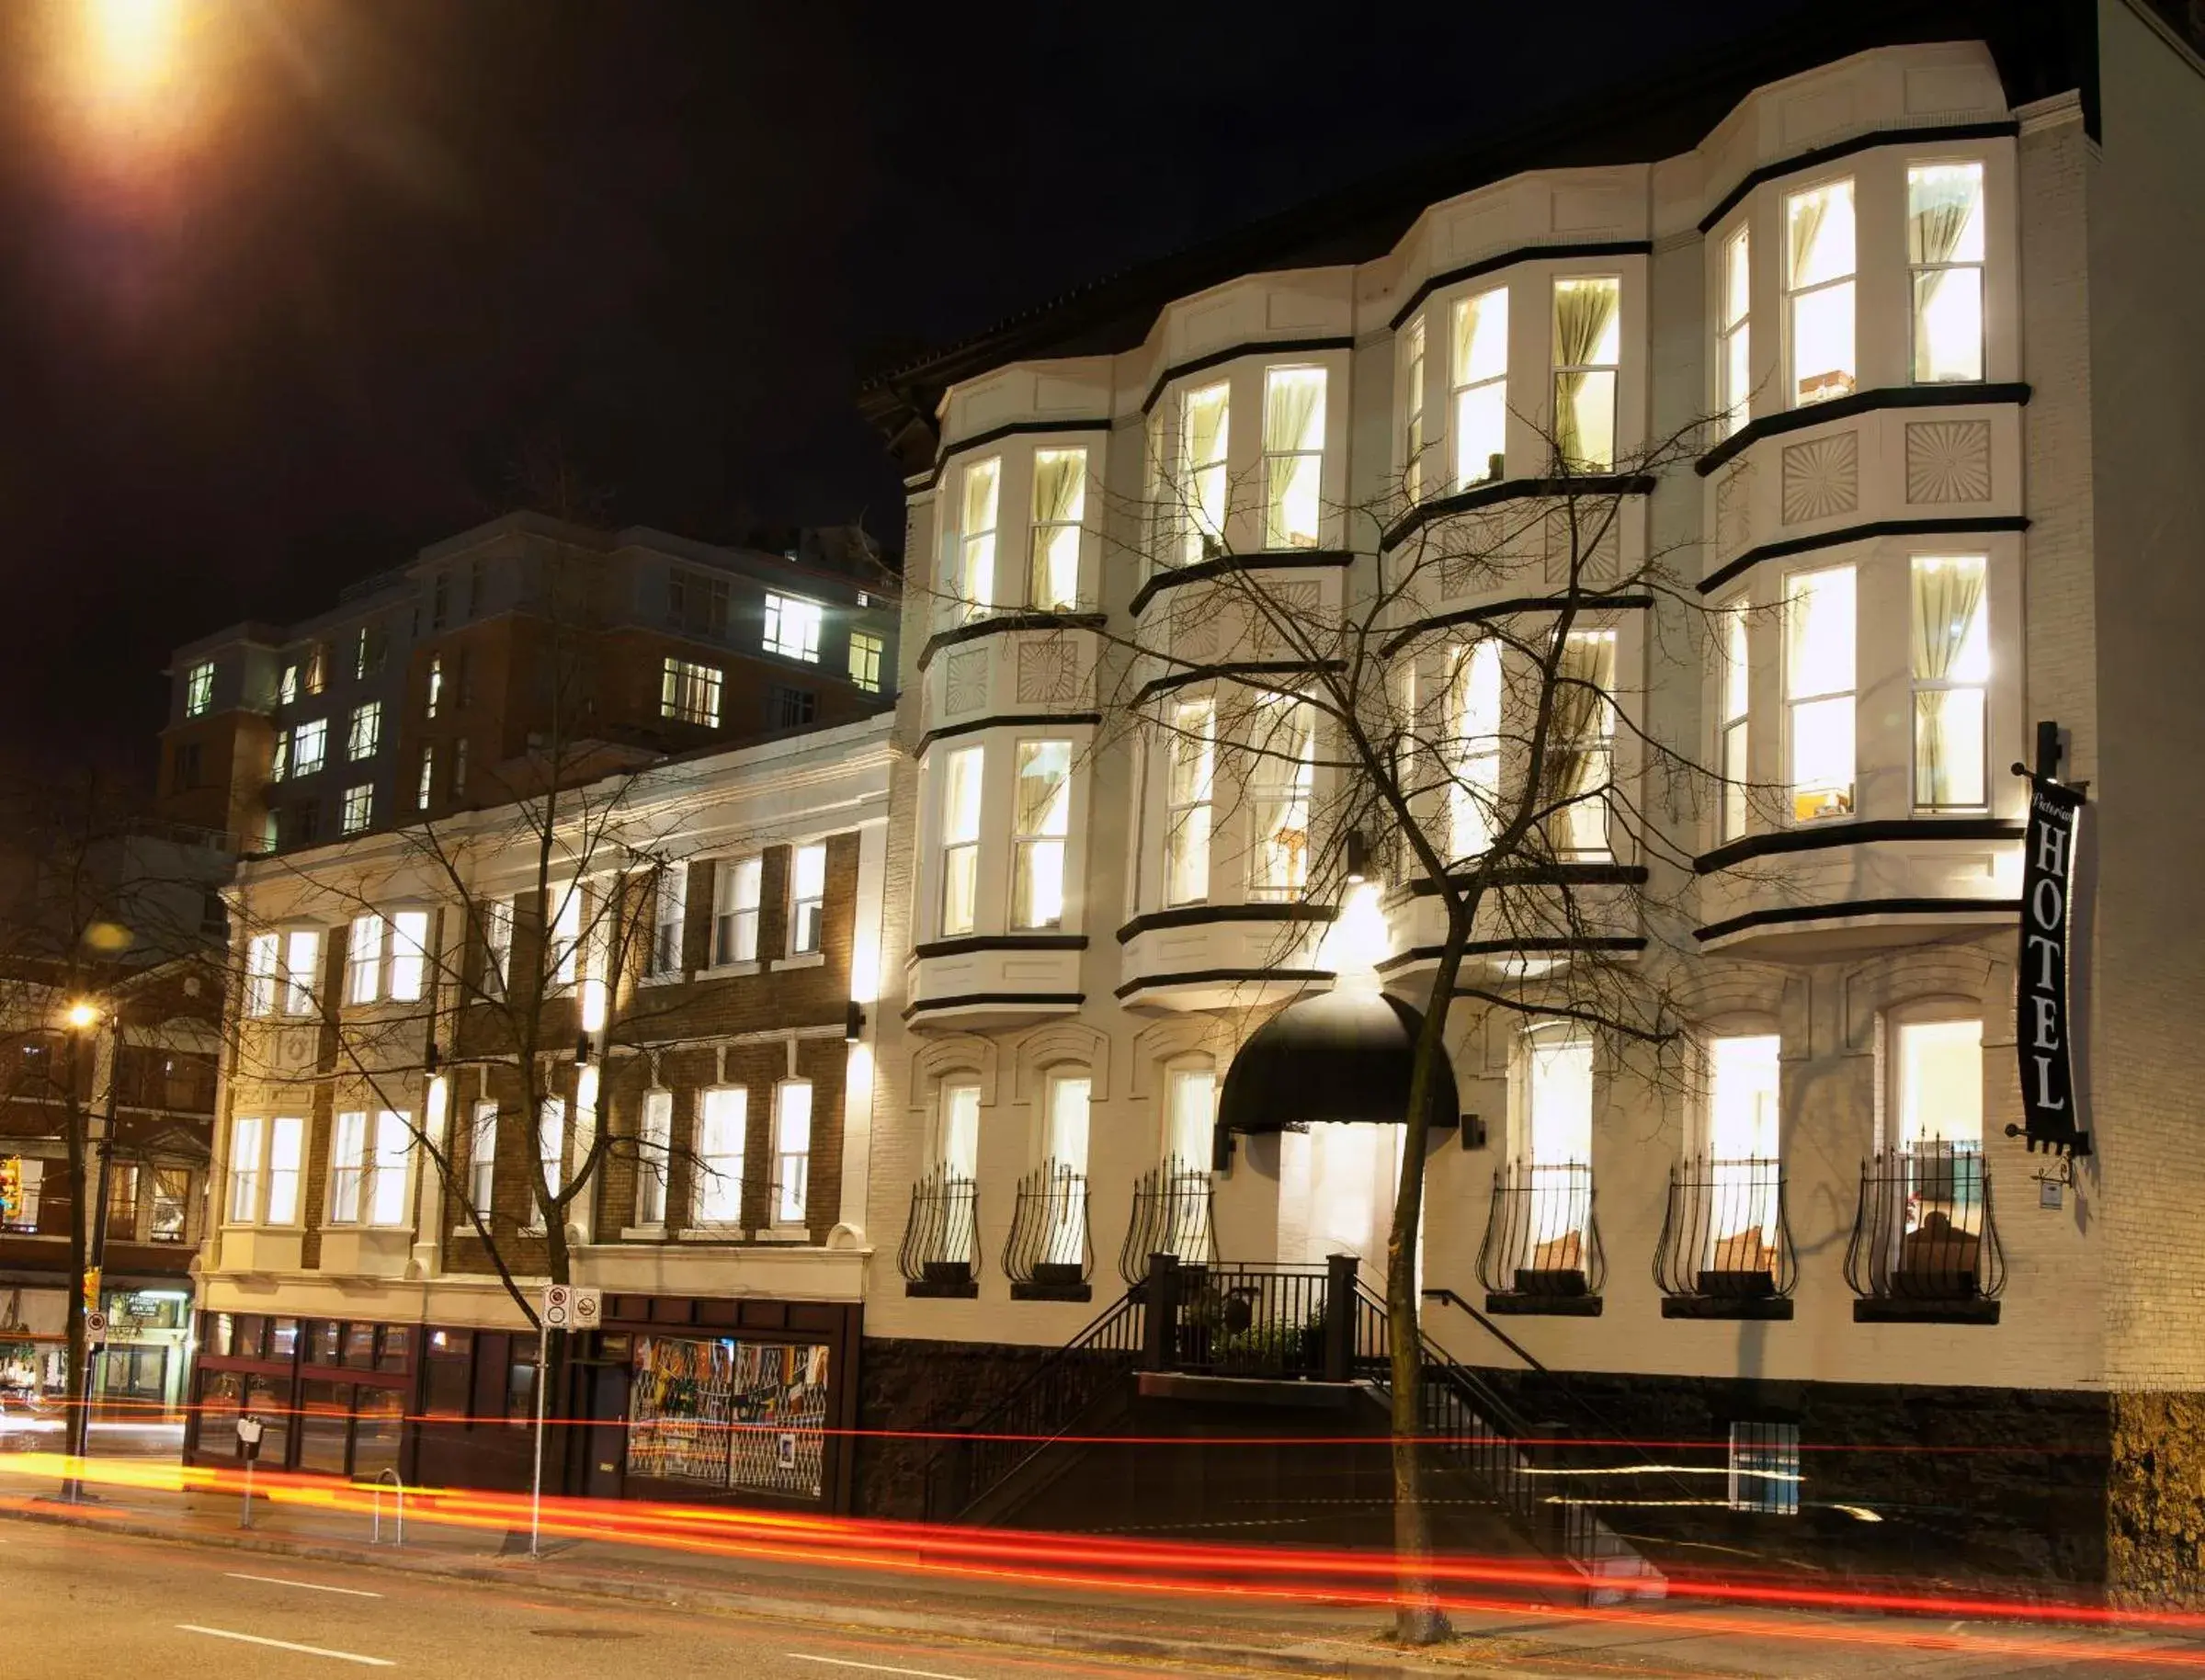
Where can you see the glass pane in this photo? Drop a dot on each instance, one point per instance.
(1481, 433)
(1821, 343)
(1066, 1144)
(1561, 1115)
(1819, 229)
(960, 1129)
(1947, 324)
(1294, 501)
(982, 478)
(1187, 855)
(1944, 213)
(379, 1414)
(1584, 406)
(1192, 1115)
(1293, 410)
(1822, 759)
(1737, 278)
(1043, 788)
(324, 1416)
(360, 1346)
(1038, 895)
(1819, 621)
(1193, 754)
(1950, 767)
(1481, 349)
(1737, 375)
(1742, 1080)
(961, 795)
(269, 1398)
(960, 889)
(1941, 1081)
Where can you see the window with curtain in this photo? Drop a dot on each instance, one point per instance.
(961, 839)
(690, 693)
(960, 1139)
(1737, 698)
(1293, 456)
(1558, 1147)
(1281, 780)
(1064, 1158)
(1190, 778)
(1473, 746)
(363, 960)
(1478, 380)
(1052, 582)
(1945, 260)
(669, 909)
(409, 955)
(807, 897)
(791, 1151)
(550, 1145)
(1042, 794)
(1412, 408)
(1935, 1096)
(1819, 631)
(287, 1157)
(1581, 759)
(301, 969)
(482, 1157)
(1742, 1142)
(1951, 658)
(1190, 1115)
(1818, 287)
(385, 1200)
(974, 580)
(1205, 435)
(347, 1165)
(1588, 347)
(248, 1137)
(654, 1145)
(722, 1119)
(1065, 1122)
(1733, 349)
(735, 889)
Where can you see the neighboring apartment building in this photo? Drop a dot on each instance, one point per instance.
(696, 979)
(424, 689)
(1932, 269)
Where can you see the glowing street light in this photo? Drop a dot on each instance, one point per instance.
(132, 43)
(83, 1015)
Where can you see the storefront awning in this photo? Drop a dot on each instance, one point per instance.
(1345, 1055)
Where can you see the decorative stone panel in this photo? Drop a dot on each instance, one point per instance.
(1948, 461)
(965, 682)
(1822, 478)
(1048, 671)
(1289, 600)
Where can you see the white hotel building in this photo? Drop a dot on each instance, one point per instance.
(1933, 269)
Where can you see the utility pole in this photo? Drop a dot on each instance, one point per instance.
(82, 1016)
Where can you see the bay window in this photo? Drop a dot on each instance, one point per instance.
(367, 1170)
(1042, 793)
(961, 782)
(654, 1145)
(1412, 386)
(1204, 432)
(1737, 697)
(363, 960)
(1558, 1146)
(791, 1151)
(1945, 263)
(1734, 352)
(1818, 285)
(1280, 786)
(723, 1121)
(669, 910)
(1743, 1145)
(1473, 746)
(264, 956)
(1293, 456)
(807, 897)
(1060, 505)
(1479, 381)
(1819, 632)
(1951, 666)
(287, 1157)
(248, 1138)
(1584, 727)
(482, 1157)
(301, 969)
(1190, 778)
(735, 891)
(1588, 348)
(551, 1148)
(564, 952)
(973, 576)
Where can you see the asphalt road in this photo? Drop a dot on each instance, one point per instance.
(90, 1606)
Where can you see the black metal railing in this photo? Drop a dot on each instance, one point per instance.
(1171, 1215)
(1049, 1245)
(941, 1241)
(1245, 1319)
(994, 1447)
(1725, 1236)
(1924, 1230)
(1542, 1240)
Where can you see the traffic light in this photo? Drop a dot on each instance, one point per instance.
(92, 1289)
(11, 1188)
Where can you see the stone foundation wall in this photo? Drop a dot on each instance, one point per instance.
(910, 1385)
(2156, 1504)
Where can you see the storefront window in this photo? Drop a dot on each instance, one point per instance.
(451, 1361)
(324, 1417)
(730, 1414)
(360, 1346)
(322, 1339)
(397, 1346)
(283, 1337)
(378, 1413)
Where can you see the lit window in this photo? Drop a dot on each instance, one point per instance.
(1765, 1468)
(22, 1218)
(1205, 434)
(960, 1137)
(280, 763)
(497, 943)
(1279, 784)
(1060, 504)
(1588, 346)
(310, 743)
(1818, 685)
(1818, 283)
(263, 956)
(436, 682)
(482, 1157)
(550, 1146)
(807, 897)
(409, 955)
(317, 668)
(669, 909)
(792, 628)
(1945, 257)
(1064, 1161)
(1190, 1117)
(864, 659)
(199, 690)
(363, 960)
(427, 783)
(972, 574)
(1474, 730)
(566, 933)
(1582, 748)
(367, 731)
(1733, 353)
(248, 1137)
(386, 1169)
(791, 1151)
(1742, 1144)
(1412, 385)
(287, 1154)
(1940, 1078)
(368, 652)
(1293, 457)
(653, 1146)
(720, 1126)
(1042, 790)
(359, 809)
(1951, 671)
(735, 911)
(1558, 1146)
(172, 1204)
(1193, 765)
(1064, 1140)
(690, 693)
(1737, 697)
(301, 969)
(1479, 375)
(961, 840)
(287, 685)
(348, 1151)
(1936, 1074)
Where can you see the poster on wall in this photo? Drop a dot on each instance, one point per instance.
(2050, 1102)
(743, 1416)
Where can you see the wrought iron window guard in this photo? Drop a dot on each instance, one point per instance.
(1541, 1251)
(941, 1253)
(1923, 1233)
(1726, 1243)
(1173, 1204)
(1050, 1255)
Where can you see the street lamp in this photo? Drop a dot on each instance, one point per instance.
(82, 1017)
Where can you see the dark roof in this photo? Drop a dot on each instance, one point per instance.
(2042, 47)
(1343, 1055)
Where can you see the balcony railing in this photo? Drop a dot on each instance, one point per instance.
(1172, 1209)
(940, 1255)
(1726, 1246)
(1923, 1234)
(1050, 1257)
(1541, 1251)
(1246, 1320)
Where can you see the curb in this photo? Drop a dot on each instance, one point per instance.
(978, 1629)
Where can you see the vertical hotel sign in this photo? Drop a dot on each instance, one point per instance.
(2042, 1030)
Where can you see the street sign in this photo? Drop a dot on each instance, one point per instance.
(568, 1308)
(96, 1327)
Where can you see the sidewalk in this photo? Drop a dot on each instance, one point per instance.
(1223, 1629)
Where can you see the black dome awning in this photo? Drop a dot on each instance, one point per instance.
(1346, 1055)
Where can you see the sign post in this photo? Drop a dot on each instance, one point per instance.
(564, 1308)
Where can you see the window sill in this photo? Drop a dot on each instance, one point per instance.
(785, 1236)
(731, 970)
(802, 959)
(643, 1233)
(672, 978)
(712, 1233)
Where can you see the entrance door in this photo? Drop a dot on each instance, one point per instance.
(604, 1470)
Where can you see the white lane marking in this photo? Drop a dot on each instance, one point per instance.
(311, 1651)
(878, 1668)
(311, 1587)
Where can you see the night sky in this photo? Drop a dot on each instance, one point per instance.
(302, 303)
